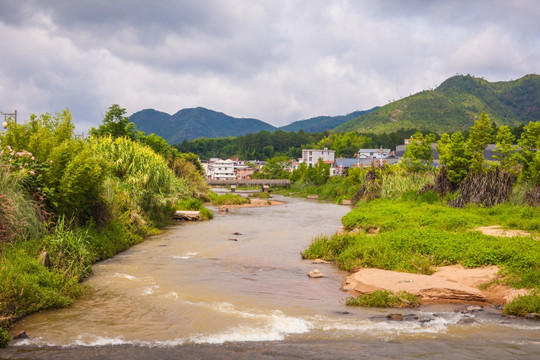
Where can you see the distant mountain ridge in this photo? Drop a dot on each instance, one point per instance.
(323, 123)
(454, 105)
(198, 122)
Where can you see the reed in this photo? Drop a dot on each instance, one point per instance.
(19, 214)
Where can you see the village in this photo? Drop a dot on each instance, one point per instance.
(235, 168)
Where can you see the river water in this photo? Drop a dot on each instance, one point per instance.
(236, 288)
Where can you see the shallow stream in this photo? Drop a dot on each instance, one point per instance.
(236, 287)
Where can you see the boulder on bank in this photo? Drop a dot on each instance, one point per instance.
(187, 215)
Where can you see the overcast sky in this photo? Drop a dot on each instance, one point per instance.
(274, 60)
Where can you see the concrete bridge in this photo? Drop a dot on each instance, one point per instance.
(263, 183)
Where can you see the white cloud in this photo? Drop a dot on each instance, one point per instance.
(277, 61)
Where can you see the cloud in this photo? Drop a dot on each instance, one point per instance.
(278, 61)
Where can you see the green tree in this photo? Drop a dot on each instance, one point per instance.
(115, 124)
(506, 150)
(443, 148)
(480, 135)
(456, 161)
(322, 172)
(418, 154)
(157, 143)
(298, 174)
(274, 168)
(529, 143)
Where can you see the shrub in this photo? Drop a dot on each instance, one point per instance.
(4, 338)
(523, 305)
(228, 199)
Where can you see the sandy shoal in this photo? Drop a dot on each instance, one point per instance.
(448, 284)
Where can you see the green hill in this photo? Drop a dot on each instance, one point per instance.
(188, 124)
(323, 123)
(194, 123)
(454, 106)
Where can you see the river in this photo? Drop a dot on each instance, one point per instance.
(236, 287)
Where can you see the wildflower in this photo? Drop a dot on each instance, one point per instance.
(20, 166)
(9, 148)
(33, 157)
(51, 161)
(32, 172)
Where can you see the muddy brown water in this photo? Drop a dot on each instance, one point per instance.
(200, 291)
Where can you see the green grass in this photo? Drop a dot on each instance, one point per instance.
(384, 299)
(416, 236)
(228, 199)
(523, 305)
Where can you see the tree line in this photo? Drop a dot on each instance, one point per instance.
(265, 145)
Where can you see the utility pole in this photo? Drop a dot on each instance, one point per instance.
(7, 116)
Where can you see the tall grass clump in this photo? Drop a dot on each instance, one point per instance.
(20, 216)
(523, 305)
(141, 174)
(384, 299)
(397, 183)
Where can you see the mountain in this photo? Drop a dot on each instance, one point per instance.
(323, 123)
(454, 105)
(194, 123)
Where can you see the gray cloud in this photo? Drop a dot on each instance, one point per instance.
(278, 61)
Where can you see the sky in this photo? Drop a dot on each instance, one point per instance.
(274, 60)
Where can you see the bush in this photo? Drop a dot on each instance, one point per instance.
(228, 199)
(4, 338)
(523, 305)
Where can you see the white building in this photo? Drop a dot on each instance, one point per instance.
(373, 153)
(222, 170)
(312, 156)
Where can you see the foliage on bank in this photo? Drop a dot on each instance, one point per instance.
(410, 217)
(67, 202)
(384, 299)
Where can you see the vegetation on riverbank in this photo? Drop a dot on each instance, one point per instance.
(412, 218)
(196, 205)
(66, 203)
(383, 299)
(227, 199)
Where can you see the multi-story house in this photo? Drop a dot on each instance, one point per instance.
(312, 156)
(222, 170)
